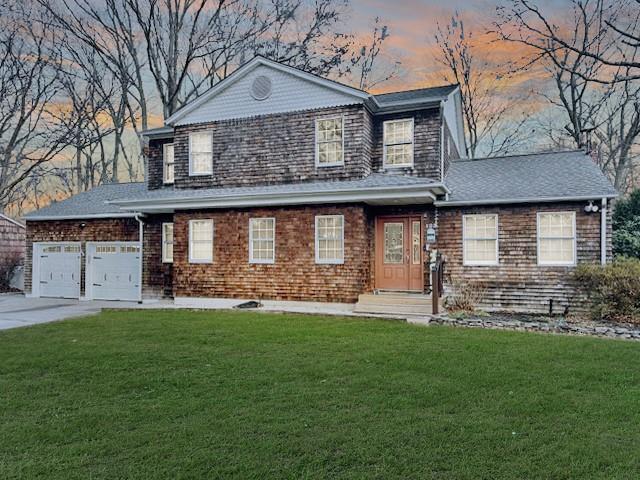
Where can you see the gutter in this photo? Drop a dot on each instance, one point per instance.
(44, 218)
(603, 231)
(490, 201)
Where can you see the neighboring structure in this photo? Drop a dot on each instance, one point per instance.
(12, 250)
(278, 184)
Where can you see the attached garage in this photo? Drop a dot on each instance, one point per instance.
(56, 269)
(113, 271)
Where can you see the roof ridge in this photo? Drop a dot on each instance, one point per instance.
(464, 160)
(416, 89)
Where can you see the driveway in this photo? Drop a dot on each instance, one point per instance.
(18, 311)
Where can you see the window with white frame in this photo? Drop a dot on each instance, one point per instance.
(329, 142)
(201, 241)
(398, 143)
(262, 240)
(329, 239)
(556, 238)
(200, 153)
(167, 242)
(480, 239)
(168, 163)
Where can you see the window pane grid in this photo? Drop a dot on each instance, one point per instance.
(480, 239)
(398, 142)
(201, 240)
(167, 242)
(556, 238)
(201, 152)
(169, 162)
(329, 141)
(262, 240)
(329, 239)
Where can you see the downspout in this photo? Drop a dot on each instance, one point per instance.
(138, 217)
(603, 232)
(442, 141)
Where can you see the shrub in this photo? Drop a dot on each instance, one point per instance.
(8, 266)
(613, 289)
(465, 296)
(626, 226)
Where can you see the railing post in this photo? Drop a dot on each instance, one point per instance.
(435, 286)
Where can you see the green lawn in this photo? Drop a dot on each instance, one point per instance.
(213, 395)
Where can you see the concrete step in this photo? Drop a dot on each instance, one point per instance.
(393, 309)
(394, 299)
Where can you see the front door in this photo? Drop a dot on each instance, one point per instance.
(399, 253)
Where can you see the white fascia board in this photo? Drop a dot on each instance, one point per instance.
(418, 194)
(248, 67)
(504, 201)
(44, 218)
(9, 219)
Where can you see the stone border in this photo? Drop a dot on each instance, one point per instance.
(554, 326)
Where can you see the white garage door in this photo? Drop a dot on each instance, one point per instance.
(113, 270)
(57, 269)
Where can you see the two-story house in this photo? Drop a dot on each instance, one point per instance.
(278, 184)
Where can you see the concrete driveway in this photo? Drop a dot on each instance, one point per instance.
(18, 311)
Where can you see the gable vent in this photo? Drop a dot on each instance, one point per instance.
(261, 88)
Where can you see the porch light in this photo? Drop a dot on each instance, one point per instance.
(591, 208)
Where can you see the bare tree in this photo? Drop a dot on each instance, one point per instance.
(31, 133)
(367, 58)
(602, 117)
(493, 119)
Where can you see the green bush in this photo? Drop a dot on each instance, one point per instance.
(626, 226)
(614, 289)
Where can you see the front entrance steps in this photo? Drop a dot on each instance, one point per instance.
(395, 303)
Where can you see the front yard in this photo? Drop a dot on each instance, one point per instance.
(175, 394)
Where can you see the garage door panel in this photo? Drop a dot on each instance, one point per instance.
(115, 270)
(59, 270)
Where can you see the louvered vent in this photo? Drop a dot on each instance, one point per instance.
(261, 88)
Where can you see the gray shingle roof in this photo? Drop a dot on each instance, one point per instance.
(419, 95)
(375, 180)
(544, 176)
(90, 203)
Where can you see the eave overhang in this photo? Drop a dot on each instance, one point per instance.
(507, 201)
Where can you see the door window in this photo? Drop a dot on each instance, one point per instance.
(393, 242)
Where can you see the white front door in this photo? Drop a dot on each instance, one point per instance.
(56, 270)
(113, 270)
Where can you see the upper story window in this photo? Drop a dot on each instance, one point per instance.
(168, 162)
(167, 242)
(200, 241)
(200, 153)
(480, 239)
(329, 239)
(398, 143)
(262, 236)
(329, 142)
(556, 238)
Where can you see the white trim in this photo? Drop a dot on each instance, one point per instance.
(88, 267)
(200, 174)
(43, 218)
(36, 248)
(502, 201)
(335, 261)
(273, 251)
(414, 194)
(9, 219)
(575, 241)
(248, 67)
(164, 242)
(317, 143)
(164, 163)
(195, 260)
(480, 263)
(384, 144)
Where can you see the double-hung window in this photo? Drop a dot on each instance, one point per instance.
(556, 238)
(167, 242)
(168, 162)
(201, 241)
(200, 153)
(329, 142)
(398, 143)
(480, 239)
(329, 239)
(262, 236)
